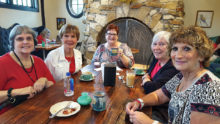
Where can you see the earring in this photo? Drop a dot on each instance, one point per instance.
(200, 64)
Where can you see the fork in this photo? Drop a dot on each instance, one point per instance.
(66, 107)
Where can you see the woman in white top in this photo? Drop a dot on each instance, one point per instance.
(65, 58)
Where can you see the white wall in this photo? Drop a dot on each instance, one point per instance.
(191, 7)
(57, 9)
(10, 16)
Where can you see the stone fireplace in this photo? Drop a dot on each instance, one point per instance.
(150, 15)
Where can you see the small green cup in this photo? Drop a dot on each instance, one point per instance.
(84, 99)
(43, 44)
(139, 71)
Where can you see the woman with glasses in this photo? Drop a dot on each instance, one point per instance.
(22, 75)
(113, 50)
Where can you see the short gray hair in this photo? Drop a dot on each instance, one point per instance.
(45, 32)
(19, 29)
(162, 34)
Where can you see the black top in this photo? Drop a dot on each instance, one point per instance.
(161, 77)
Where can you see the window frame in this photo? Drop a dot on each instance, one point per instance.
(9, 4)
(69, 11)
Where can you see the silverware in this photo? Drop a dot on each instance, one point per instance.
(66, 107)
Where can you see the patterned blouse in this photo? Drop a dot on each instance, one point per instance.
(103, 54)
(202, 96)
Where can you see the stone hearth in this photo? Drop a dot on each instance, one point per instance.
(156, 14)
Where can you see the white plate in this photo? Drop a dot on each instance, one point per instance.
(56, 107)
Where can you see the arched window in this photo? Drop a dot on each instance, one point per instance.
(75, 8)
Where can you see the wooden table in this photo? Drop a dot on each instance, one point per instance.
(36, 110)
(47, 47)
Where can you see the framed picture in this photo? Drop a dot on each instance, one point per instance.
(60, 22)
(204, 18)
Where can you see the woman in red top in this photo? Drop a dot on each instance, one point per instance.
(22, 75)
(44, 35)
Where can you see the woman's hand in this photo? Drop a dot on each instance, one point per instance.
(40, 84)
(24, 91)
(120, 52)
(137, 117)
(49, 84)
(145, 79)
(132, 106)
(125, 60)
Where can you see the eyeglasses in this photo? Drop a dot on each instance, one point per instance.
(111, 34)
(20, 39)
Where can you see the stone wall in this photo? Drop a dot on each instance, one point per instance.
(156, 14)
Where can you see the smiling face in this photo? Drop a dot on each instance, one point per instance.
(111, 36)
(160, 49)
(185, 57)
(23, 43)
(69, 40)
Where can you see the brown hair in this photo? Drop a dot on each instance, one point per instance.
(68, 28)
(195, 37)
(112, 26)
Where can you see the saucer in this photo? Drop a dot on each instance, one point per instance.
(140, 74)
(82, 79)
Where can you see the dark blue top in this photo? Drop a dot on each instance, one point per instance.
(161, 77)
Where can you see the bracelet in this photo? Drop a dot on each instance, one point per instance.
(9, 92)
(139, 107)
(11, 98)
(155, 122)
(141, 103)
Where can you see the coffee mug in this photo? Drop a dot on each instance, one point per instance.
(114, 51)
(97, 64)
(99, 101)
(86, 76)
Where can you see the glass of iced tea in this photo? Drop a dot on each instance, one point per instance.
(130, 77)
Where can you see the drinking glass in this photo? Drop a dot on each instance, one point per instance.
(130, 77)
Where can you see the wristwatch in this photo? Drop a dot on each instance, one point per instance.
(11, 98)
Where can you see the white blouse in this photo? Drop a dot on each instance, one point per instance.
(58, 65)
